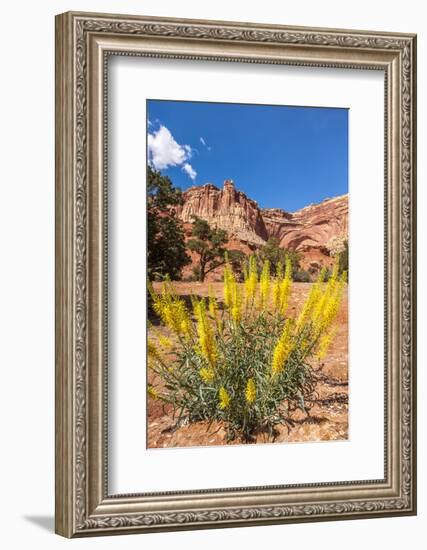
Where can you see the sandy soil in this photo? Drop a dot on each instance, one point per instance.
(328, 416)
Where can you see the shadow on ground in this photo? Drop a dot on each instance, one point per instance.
(44, 522)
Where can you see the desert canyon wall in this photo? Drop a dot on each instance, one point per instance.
(315, 230)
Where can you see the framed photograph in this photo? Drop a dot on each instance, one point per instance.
(235, 274)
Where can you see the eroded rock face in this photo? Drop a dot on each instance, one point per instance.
(314, 230)
(227, 209)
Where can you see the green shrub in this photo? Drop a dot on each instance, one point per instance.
(245, 364)
(302, 276)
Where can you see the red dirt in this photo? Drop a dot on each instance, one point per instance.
(328, 416)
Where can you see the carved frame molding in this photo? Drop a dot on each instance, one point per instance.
(83, 43)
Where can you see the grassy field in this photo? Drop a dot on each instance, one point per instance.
(328, 416)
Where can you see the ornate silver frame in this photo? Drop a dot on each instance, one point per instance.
(83, 42)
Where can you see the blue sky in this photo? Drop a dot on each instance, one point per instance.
(280, 156)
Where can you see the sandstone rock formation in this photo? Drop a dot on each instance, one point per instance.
(227, 209)
(315, 230)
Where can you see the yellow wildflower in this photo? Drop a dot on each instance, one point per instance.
(335, 270)
(318, 307)
(171, 309)
(224, 398)
(326, 295)
(207, 344)
(213, 309)
(283, 348)
(314, 295)
(250, 391)
(275, 293)
(153, 352)
(232, 295)
(264, 283)
(185, 326)
(184, 318)
(251, 281)
(285, 287)
(324, 343)
(152, 392)
(236, 306)
(164, 341)
(207, 375)
(213, 304)
(329, 313)
(285, 290)
(328, 306)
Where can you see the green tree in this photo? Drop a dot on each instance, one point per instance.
(272, 252)
(343, 258)
(208, 243)
(237, 260)
(166, 254)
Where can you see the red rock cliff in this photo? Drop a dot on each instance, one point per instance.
(315, 230)
(227, 209)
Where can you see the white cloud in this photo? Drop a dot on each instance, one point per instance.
(164, 151)
(202, 141)
(189, 170)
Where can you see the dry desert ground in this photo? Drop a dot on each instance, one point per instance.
(328, 415)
